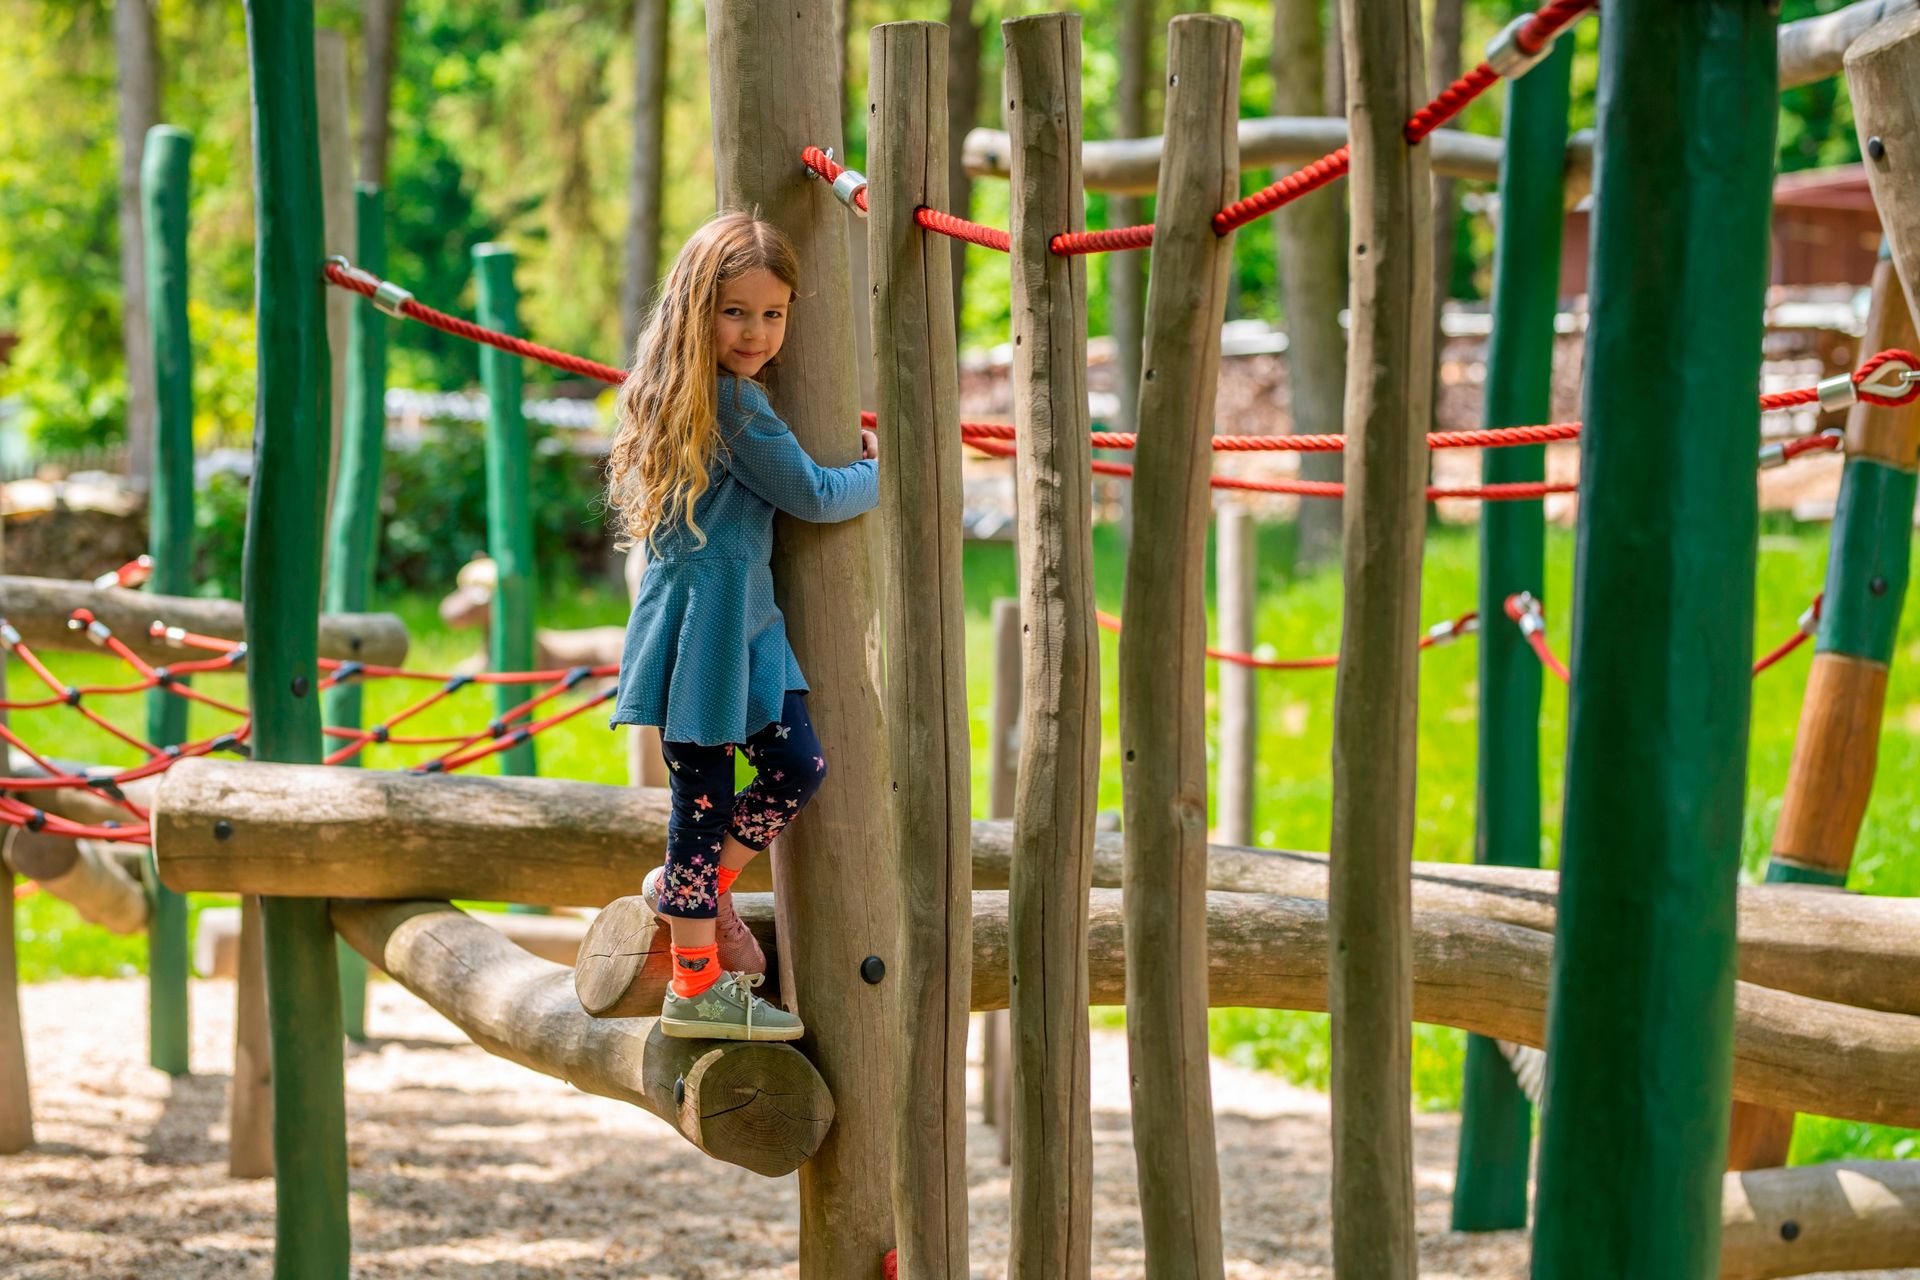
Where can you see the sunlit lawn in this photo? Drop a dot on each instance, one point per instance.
(1296, 618)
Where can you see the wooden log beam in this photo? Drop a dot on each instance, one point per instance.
(336, 833)
(1376, 699)
(761, 1106)
(918, 400)
(216, 937)
(39, 607)
(1059, 768)
(1132, 165)
(81, 873)
(1852, 1215)
(1269, 951)
(1163, 661)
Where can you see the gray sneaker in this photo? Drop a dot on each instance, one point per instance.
(728, 1010)
(739, 949)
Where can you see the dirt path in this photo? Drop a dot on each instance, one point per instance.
(464, 1165)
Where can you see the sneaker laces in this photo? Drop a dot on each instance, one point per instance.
(729, 922)
(743, 985)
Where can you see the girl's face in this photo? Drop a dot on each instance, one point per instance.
(751, 322)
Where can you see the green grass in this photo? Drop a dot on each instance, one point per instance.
(1296, 617)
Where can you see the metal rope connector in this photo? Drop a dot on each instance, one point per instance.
(1773, 455)
(1525, 609)
(96, 630)
(9, 637)
(391, 298)
(1837, 392)
(1810, 620)
(847, 188)
(1509, 58)
(1447, 632)
(176, 637)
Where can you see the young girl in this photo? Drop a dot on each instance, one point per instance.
(699, 465)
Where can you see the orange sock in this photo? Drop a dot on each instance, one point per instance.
(727, 876)
(694, 970)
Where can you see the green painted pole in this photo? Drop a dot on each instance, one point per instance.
(1640, 1017)
(353, 539)
(1496, 1123)
(163, 201)
(281, 569)
(509, 513)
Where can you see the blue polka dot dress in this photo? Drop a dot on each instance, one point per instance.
(706, 656)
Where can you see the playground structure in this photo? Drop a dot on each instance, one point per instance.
(1823, 1018)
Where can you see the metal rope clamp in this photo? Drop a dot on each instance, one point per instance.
(1508, 57)
(1525, 609)
(847, 188)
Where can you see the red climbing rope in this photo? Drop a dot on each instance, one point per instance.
(1524, 608)
(1440, 633)
(397, 301)
(1521, 45)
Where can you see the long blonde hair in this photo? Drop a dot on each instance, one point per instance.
(668, 433)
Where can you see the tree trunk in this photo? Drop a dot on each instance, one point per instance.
(376, 90)
(648, 175)
(1443, 66)
(1126, 282)
(1312, 237)
(964, 39)
(137, 57)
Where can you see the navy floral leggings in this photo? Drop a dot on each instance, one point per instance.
(790, 768)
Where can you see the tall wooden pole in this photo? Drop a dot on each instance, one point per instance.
(137, 75)
(1059, 767)
(353, 535)
(1641, 1013)
(1163, 662)
(835, 870)
(1376, 711)
(16, 1098)
(647, 176)
(918, 388)
(509, 504)
(163, 193)
(1235, 552)
(250, 1096)
(1312, 244)
(1496, 1122)
(1003, 763)
(1831, 776)
(282, 599)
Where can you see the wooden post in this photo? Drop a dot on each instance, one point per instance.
(1376, 712)
(647, 175)
(250, 1098)
(353, 536)
(1003, 763)
(81, 873)
(1831, 776)
(16, 1099)
(509, 505)
(337, 204)
(1059, 766)
(1237, 555)
(835, 869)
(918, 401)
(163, 194)
(1496, 1121)
(282, 598)
(1641, 1015)
(1163, 661)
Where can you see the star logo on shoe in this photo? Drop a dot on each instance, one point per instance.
(710, 1008)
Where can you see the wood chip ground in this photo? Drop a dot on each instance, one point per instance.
(463, 1165)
